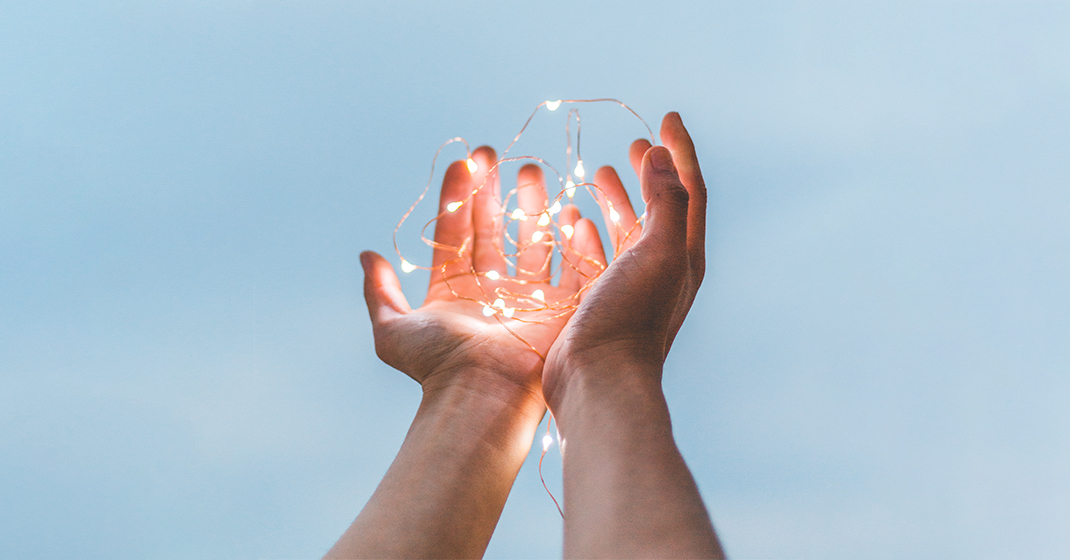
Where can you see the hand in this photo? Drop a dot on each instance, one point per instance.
(627, 491)
(633, 312)
(480, 376)
(448, 341)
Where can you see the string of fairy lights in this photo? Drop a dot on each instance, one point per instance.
(520, 298)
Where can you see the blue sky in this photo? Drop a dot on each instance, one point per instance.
(875, 367)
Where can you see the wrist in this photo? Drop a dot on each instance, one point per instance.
(607, 389)
(478, 406)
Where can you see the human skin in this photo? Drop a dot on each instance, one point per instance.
(627, 491)
(482, 399)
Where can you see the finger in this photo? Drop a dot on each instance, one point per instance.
(382, 290)
(616, 210)
(678, 141)
(533, 262)
(635, 155)
(666, 209)
(486, 213)
(566, 223)
(588, 254)
(453, 228)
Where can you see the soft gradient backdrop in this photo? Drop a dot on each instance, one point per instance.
(878, 365)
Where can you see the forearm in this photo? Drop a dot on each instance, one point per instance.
(444, 492)
(628, 492)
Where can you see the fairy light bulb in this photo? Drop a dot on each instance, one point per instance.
(488, 311)
(519, 214)
(537, 294)
(536, 237)
(544, 219)
(567, 231)
(547, 441)
(613, 215)
(508, 311)
(553, 105)
(453, 206)
(570, 188)
(556, 207)
(472, 165)
(499, 303)
(407, 266)
(493, 274)
(579, 169)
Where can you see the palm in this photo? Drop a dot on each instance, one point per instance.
(450, 332)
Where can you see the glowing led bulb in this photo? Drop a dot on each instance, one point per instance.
(519, 214)
(579, 169)
(407, 266)
(613, 215)
(544, 219)
(453, 206)
(536, 237)
(570, 189)
(493, 274)
(537, 294)
(556, 207)
(488, 310)
(508, 311)
(547, 441)
(553, 105)
(472, 165)
(499, 303)
(567, 230)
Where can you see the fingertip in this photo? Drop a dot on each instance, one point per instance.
(529, 176)
(485, 157)
(570, 213)
(605, 173)
(673, 132)
(636, 152)
(367, 260)
(531, 169)
(660, 160)
(457, 170)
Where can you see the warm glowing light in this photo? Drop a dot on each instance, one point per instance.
(488, 281)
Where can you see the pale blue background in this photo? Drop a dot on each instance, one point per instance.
(876, 367)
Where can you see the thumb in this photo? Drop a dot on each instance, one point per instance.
(666, 201)
(382, 290)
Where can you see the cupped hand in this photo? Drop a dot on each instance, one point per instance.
(449, 341)
(631, 315)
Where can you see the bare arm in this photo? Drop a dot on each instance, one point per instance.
(482, 401)
(628, 492)
(444, 492)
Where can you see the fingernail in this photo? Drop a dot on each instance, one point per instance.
(661, 159)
